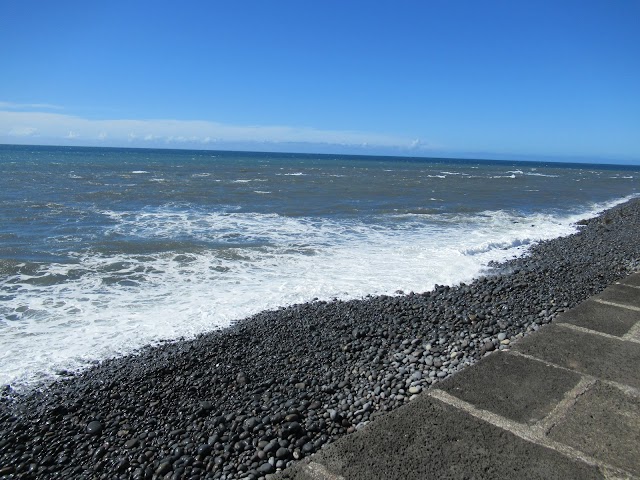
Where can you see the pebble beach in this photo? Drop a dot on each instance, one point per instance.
(249, 400)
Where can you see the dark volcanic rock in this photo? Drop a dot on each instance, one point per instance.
(94, 428)
(243, 402)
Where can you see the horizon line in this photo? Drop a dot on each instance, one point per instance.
(479, 156)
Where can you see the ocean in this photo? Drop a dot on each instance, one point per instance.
(104, 251)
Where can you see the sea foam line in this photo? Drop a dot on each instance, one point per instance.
(112, 304)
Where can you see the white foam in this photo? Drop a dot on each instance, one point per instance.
(114, 304)
(535, 174)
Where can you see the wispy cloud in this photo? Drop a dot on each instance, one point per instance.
(49, 127)
(28, 106)
(22, 131)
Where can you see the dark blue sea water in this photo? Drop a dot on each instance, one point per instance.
(103, 251)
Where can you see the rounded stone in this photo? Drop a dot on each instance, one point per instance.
(163, 468)
(266, 468)
(271, 447)
(204, 449)
(292, 427)
(250, 423)
(94, 428)
(131, 443)
(282, 453)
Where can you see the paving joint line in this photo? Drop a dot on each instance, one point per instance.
(549, 364)
(559, 412)
(633, 333)
(577, 328)
(528, 434)
(614, 304)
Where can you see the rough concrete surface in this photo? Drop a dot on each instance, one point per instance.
(605, 424)
(622, 294)
(601, 317)
(430, 439)
(631, 280)
(602, 357)
(515, 387)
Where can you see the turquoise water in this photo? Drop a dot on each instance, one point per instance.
(103, 251)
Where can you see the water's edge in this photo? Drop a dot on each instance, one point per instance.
(282, 383)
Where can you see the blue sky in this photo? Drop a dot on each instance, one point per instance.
(502, 79)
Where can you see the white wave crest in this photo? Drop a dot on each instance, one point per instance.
(65, 315)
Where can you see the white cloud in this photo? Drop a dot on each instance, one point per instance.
(22, 131)
(55, 127)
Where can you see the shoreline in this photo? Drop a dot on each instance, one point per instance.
(282, 383)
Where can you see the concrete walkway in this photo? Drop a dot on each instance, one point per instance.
(562, 403)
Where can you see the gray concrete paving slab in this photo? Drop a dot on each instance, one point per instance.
(543, 410)
(429, 439)
(621, 294)
(604, 423)
(521, 389)
(632, 280)
(601, 317)
(603, 357)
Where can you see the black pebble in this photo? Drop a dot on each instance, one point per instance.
(94, 428)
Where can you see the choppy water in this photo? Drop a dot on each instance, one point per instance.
(103, 251)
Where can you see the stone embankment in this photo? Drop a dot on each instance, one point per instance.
(561, 404)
